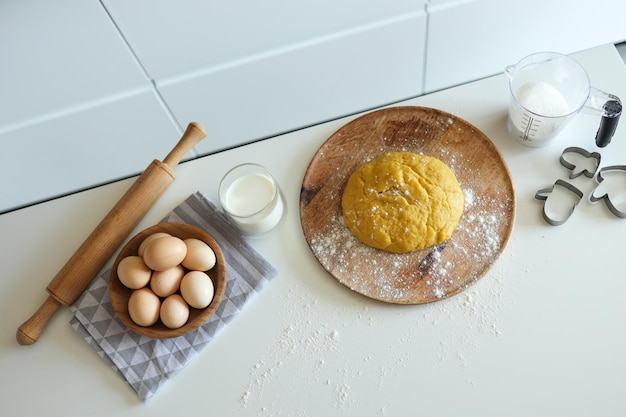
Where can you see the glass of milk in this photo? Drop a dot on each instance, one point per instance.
(546, 90)
(251, 198)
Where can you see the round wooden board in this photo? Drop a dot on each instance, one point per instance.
(423, 276)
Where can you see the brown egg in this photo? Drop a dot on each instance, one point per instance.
(166, 283)
(144, 307)
(200, 256)
(164, 253)
(144, 244)
(197, 289)
(174, 311)
(133, 272)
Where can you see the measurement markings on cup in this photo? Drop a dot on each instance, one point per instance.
(530, 125)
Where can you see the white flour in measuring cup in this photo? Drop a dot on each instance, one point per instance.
(547, 90)
(542, 99)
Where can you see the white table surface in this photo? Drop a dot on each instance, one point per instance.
(541, 334)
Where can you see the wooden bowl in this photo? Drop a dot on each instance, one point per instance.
(120, 293)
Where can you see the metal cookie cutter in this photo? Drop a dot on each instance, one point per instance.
(544, 194)
(572, 167)
(599, 178)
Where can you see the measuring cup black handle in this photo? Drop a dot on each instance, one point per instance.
(611, 112)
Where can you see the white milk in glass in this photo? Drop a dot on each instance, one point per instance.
(252, 200)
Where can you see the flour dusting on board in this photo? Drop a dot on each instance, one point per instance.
(443, 270)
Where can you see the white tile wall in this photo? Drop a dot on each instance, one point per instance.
(75, 108)
(56, 57)
(257, 69)
(90, 146)
(303, 86)
(471, 39)
(174, 38)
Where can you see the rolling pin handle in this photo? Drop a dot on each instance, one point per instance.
(29, 332)
(194, 134)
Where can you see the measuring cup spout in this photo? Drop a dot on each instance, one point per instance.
(509, 71)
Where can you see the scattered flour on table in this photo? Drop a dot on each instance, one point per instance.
(306, 360)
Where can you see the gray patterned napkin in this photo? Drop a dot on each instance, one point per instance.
(147, 363)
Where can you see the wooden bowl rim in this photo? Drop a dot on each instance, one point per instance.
(197, 317)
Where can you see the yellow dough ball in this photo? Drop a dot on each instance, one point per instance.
(402, 202)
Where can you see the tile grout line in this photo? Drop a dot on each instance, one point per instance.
(65, 111)
(621, 49)
(283, 50)
(146, 74)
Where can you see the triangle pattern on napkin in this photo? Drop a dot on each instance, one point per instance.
(145, 363)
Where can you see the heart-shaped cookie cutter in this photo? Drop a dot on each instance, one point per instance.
(609, 203)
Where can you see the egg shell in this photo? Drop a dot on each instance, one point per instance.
(165, 253)
(200, 256)
(197, 289)
(144, 244)
(144, 307)
(133, 272)
(166, 283)
(174, 311)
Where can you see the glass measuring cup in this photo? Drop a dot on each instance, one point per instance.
(547, 90)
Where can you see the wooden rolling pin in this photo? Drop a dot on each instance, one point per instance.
(101, 244)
